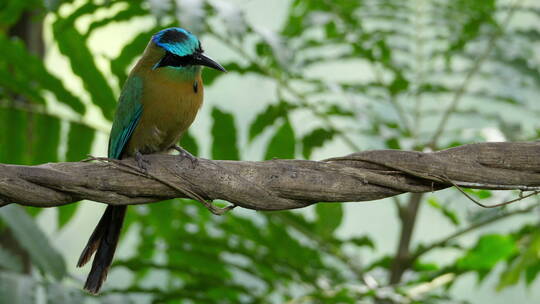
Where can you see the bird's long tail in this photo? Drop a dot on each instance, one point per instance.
(103, 242)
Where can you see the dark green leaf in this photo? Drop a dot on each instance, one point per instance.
(72, 44)
(329, 217)
(282, 145)
(338, 111)
(315, 139)
(24, 66)
(399, 84)
(11, 11)
(13, 136)
(224, 142)
(44, 135)
(268, 116)
(362, 241)
(65, 213)
(392, 143)
(80, 139)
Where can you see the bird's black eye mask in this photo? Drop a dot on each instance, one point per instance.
(173, 60)
(197, 58)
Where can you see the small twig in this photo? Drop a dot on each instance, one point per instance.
(521, 197)
(421, 251)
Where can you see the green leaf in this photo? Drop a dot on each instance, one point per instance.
(392, 143)
(72, 44)
(329, 217)
(532, 272)
(315, 139)
(268, 117)
(224, 141)
(337, 110)
(13, 137)
(420, 266)
(24, 66)
(80, 140)
(362, 241)
(488, 251)
(522, 264)
(34, 241)
(66, 213)
(17, 289)
(481, 194)
(449, 214)
(11, 11)
(44, 136)
(398, 85)
(30, 138)
(282, 144)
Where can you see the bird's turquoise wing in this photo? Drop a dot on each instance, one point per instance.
(128, 114)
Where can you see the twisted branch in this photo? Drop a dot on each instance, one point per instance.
(278, 184)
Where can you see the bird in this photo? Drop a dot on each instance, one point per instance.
(158, 102)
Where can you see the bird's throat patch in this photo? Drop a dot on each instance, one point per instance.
(195, 86)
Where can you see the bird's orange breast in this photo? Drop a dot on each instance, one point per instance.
(170, 105)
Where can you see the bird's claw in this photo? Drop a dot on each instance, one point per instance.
(142, 162)
(185, 154)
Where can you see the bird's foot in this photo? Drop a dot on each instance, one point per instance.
(142, 162)
(185, 154)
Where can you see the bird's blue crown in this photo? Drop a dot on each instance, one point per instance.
(177, 41)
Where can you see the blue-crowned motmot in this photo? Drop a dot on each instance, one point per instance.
(158, 103)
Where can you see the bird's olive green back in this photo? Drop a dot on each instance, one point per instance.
(128, 114)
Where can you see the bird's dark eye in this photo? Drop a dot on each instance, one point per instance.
(173, 60)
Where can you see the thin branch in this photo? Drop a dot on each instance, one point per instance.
(408, 219)
(472, 199)
(444, 241)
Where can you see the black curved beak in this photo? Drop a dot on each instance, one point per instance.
(202, 59)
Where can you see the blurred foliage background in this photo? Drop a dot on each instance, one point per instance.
(326, 79)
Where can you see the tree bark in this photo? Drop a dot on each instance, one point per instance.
(277, 184)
